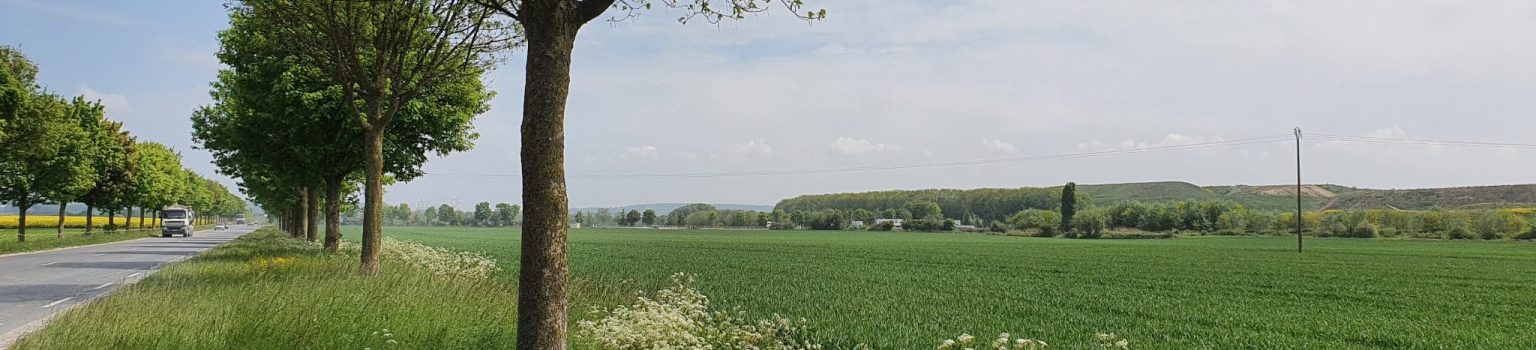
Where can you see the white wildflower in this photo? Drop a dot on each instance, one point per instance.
(441, 261)
(679, 317)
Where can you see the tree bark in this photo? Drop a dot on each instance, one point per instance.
(111, 220)
(373, 198)
(21, 228)
(62, 206)
(542, 293)
(333, 214)
(141, 217)
(90, 219)
(300, 214)
(312, 194)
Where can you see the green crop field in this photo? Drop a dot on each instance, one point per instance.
(911, 290)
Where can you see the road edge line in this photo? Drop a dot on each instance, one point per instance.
(72, 247)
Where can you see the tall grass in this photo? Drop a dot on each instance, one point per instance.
(268, 291)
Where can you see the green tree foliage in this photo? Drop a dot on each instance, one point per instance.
(1047, 222)
(506, 214)
(274, 93)
(680, 215)
(1068, 205)
(447, 216)
(161, 180)
(430, 216)
(116, 171)
(648, 217)
(990, 204)
(1090, 223)
(483, 214)
(927, 210)
(409, 48)
(632, 217)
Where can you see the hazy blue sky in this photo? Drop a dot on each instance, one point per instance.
(892, 82)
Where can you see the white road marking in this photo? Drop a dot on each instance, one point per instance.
(99, 254)
(102, 286)
(57, 302)
(135, 274)
(50, 263)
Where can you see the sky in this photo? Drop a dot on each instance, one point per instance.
(889, 83)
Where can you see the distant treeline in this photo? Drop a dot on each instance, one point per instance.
(1223, 217)
(985, 204)
(1038, 211)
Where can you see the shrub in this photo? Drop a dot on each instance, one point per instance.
(1528, 235)
(1090, 223)
(884, 226)
(1459, 232)
(1044, 220)
(1364, 229)
(927, 225)
(997, 228)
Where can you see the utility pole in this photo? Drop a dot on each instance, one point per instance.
(1298, 189)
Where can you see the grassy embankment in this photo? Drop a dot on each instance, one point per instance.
(265, 291)
(890, 290)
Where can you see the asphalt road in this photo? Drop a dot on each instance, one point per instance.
(35, 286)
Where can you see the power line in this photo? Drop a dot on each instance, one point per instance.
(670, 176)
(1387, 140)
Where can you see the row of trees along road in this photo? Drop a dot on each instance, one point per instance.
(58, 151)
(336, 90)
(483, 215)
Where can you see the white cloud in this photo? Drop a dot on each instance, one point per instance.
(646, 151)
(115, 103)
(750, 148)
(852, 146)
(1394, 132)
(999, 146)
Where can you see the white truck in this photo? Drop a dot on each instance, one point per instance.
(175, 220)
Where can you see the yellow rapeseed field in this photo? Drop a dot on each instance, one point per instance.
(49, 221)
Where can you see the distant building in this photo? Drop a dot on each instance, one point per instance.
(894, 222)
(856, 224)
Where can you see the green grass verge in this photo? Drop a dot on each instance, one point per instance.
(240, 296)
(44, 239)
(910, 290)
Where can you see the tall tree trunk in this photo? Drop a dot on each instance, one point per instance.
(373, 198)
(141, 217)
(300, 214)
(312, 194)
(542, 298)
(62, 205)
(333, 214)
(111, 220)
(90, 219)
(21, 221)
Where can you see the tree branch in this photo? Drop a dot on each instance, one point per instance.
(586, 10)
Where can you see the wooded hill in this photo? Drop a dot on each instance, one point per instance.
(1001, 202)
